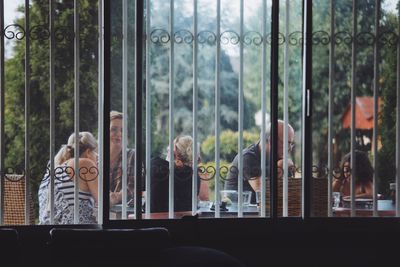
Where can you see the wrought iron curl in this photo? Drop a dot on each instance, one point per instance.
(201, 170)
(183, 36)
(388, 38)
(293, 40)
(321, 37)
(83, 171)
(71, 172)
(229, 37)
(343, 37)
(40, 32)
(252, 37)
(208, 37)
(365, 38)
(223, 172)
(281, 38)
(160, 36)
(63, 33)
(18, 33)
(211, 172)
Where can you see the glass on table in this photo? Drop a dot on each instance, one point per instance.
(258, 198)
(336, 199)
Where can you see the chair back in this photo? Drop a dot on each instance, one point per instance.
(14, 201)
(319, 205)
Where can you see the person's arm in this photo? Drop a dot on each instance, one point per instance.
(203, 192)
(336, 185)
(255, 183)
(368, 188)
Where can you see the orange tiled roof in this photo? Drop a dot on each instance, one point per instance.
(364, 113)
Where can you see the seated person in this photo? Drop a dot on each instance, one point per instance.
(252, 162)
(116, 161)
(182, 179)
(363, 175)
(64, 184)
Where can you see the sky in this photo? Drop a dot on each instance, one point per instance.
(10, 7)
(10, 14)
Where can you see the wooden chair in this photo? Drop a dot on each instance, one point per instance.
(320, 197)
(14, 201)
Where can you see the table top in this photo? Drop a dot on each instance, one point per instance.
(386, 208)
(203, 212)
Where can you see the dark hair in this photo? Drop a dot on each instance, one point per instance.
(363, 170)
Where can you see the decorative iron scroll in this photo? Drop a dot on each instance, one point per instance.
(160, 36)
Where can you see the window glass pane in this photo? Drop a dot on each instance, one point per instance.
(344, 87)
(38, 119)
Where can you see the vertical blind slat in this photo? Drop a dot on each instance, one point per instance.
(217, 110)
(76, 111)
(27, 110)
(330, 107)
(100, 92)
(376, 97)
(241, 114)
(171, 112)
(148, 110)
(353, 104)
(195, 107)
(286, 113)
(263, 108)
(52, 108)
(124, 104)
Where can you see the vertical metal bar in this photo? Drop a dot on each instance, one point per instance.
(398, 121)
(286, 114)
(241, 114)
(306, 112)
(27, 112)
(52, 107)
(376, 103)
(353, 109)
(76, 111)
(171, 112)
(330, 107)
(124, 103)
(148, 109)
(195, 107)
(138, 111)
(274, 107)
(106, 14)
(100, 92)
(217, 109)
(2, 117)
(263, 108)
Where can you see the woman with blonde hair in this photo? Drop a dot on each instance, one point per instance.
(116, 168)
(183, 178)
(64, 183)
(183, 153)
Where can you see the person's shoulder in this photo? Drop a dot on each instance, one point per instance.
(86, 162)
(159, 161)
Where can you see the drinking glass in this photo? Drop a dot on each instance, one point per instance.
(336, 199)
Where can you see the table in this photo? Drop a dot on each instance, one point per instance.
(386, 208)
(204, 212)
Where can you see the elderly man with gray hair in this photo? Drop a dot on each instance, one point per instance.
(252, 162)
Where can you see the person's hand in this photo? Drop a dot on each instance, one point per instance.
(280, 167)
(115, 198)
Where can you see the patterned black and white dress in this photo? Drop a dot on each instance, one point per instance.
(64, 200)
